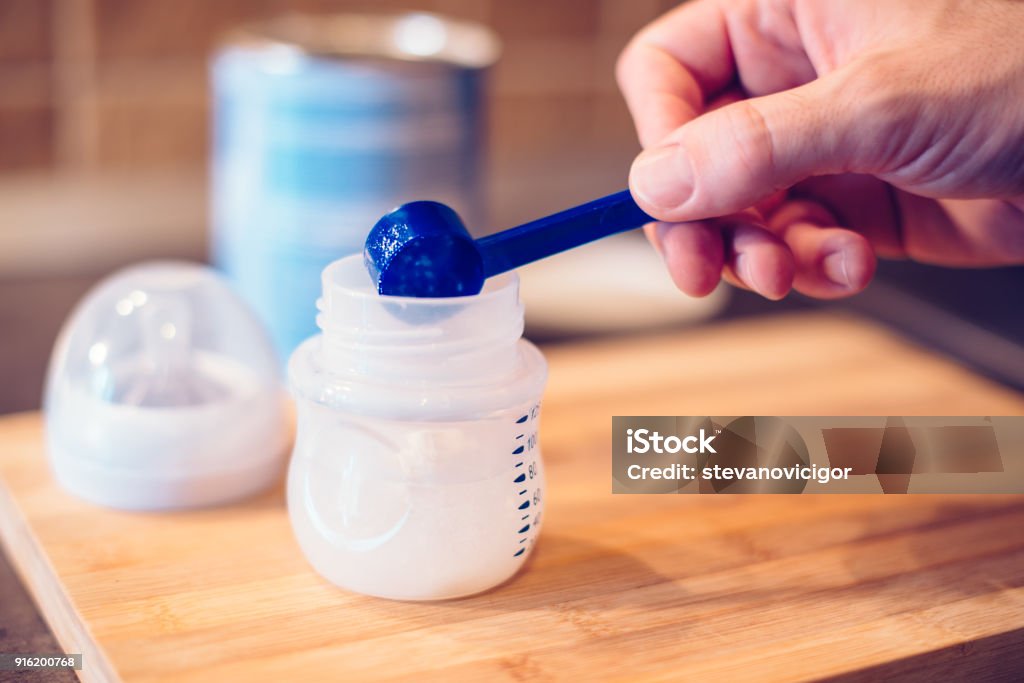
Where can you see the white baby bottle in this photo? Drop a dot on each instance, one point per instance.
(416, 472)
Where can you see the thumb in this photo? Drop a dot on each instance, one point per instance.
(729, 159)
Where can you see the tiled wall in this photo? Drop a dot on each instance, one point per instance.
(121, 84)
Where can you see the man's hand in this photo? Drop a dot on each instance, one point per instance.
(786, 143)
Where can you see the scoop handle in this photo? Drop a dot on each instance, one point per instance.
(558, 232)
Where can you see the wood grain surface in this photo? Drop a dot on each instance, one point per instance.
(620, 588)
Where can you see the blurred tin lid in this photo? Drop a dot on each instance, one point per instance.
(408, 37)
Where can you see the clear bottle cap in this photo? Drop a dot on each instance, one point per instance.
(163, 391)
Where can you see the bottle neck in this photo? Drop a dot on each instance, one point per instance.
(454, 341)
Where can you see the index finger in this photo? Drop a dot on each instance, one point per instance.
(673, 66)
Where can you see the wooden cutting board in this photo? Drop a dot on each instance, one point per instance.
(621, 587)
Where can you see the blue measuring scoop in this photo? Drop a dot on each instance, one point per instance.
(423, 249)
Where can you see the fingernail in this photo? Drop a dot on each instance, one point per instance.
(746, 273)
(662, 177)
(836, 269)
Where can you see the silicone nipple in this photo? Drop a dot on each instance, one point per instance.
(166, 374)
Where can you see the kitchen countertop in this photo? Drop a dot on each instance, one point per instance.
(621, 587)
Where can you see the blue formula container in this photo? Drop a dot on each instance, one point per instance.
(322, 125)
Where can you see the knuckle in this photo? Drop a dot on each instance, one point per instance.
(751, 138)
(624, 62)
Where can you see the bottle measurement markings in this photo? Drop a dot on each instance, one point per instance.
(532, 493)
